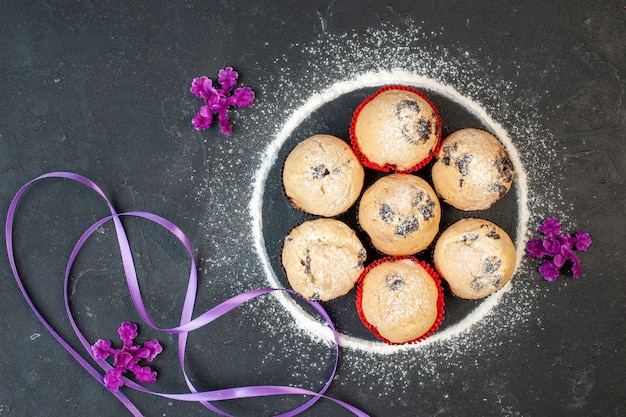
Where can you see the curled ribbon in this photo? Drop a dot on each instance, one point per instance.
(187, 323)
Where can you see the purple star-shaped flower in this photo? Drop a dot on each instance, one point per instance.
(550, 227)
(549, 270)
(535, 248)
(559, 246)
(127, 358)
(581, 241)
(218, 100)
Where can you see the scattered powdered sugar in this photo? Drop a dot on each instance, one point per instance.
(369, 79)
(336, 65)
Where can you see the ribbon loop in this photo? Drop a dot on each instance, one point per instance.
(187, 322)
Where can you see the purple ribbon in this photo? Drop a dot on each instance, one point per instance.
(187, 322)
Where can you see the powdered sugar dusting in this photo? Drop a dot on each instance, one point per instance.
(377, 79)
(336, 65)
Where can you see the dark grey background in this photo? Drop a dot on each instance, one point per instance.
(101, 89)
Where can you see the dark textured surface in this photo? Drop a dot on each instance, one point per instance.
(101, 89)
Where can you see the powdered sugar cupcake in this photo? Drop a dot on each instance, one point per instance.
(400, 213)
(476, 257)
(472, 170)
(322, 176)
(400, 300)
(397, 129)
(323, 259)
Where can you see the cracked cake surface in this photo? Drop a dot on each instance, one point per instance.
(398, 298)
(323, 259)
(322, 176)
(472, 170)
(476, 258)
(397, 128)
(400, 213)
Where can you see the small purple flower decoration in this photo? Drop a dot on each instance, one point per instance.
(550, 227)
(218, 100)
(549, 270)
(581, 241)
(127, 358)
(558, 248)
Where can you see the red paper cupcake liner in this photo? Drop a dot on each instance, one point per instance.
(388, 167)
(440, 299)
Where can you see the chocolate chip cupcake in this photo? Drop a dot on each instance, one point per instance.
(322, 176)
(472, 170)
(323, 259)
(397, 128)
(400, 300)
(400, 213)
(476, 257)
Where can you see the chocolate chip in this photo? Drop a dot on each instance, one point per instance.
(469, 238)
(505, 167)
(315, 296)
(424, 204)
(394, 281)
(319, 172)
(419, 197)
(406, 106)
(492, 264)
(428, 209)
(478, 283)
(307, 265)
(495, 280)
(498, 188)
(447, 152)
(414, 131)
(493, 234)
(463, 162)
(407, 134)
(408, 226)
(362, 256)
(424, 129)
(386, 213)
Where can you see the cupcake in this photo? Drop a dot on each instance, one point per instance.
(400, 213)
(397, 129)
(472, 170)
(400, 300)
(322, 176)
(475, 257)
(323, 259)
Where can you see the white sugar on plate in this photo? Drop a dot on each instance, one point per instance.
(376, 79)
(339, 64)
